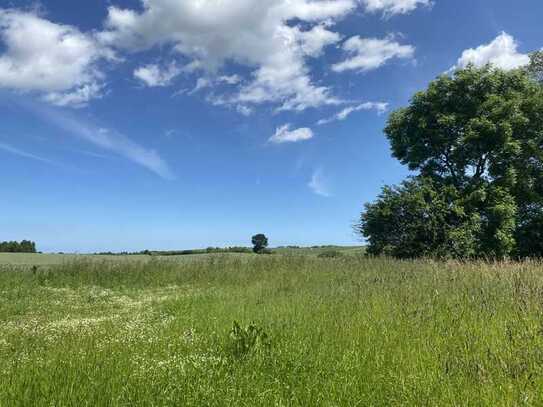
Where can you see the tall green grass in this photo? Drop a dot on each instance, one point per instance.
(309, 331)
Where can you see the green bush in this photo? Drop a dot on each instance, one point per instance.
(474, 138)
(330, 254)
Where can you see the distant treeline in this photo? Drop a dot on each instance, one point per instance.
(209, 250)
(180, 252)
(26, 246)
(327, 246)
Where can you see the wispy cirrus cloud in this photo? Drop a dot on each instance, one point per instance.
(319, 184)
(105, 138)
(208, 82)
(22, 153)
(380, 107)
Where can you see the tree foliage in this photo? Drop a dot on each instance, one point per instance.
(476, 141)
(535, 68)
(419, 219)
(260, 243)
(25, 246)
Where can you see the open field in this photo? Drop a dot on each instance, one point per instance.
(31, 259)
(347, 331)
(315, 251)
(34, 259)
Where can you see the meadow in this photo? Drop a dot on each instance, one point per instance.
(287, 330)
(38, 259)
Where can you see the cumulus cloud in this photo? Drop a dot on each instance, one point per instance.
(502, 52)
(273, 37)
(392, 7)
(153, 75)
(58, 61)
(283, 134)
(318, 184)
(380, 107)
(371, 53)
(315, 40)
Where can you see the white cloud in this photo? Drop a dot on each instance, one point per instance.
(201, 83)
(230, 80)
(318, 184)
(371, 53)
(502, 52)
(21, 153)
(208, 82)
(392, 7)
(153, 75)
(244, 110)
(78, 97)
(380, 107)
(273, 37)
(283, 134)
(58, 61)
(106, 139)
(315, 40)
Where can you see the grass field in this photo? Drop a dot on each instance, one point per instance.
(348, 331)
(35, 259)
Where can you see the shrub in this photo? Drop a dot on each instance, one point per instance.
(330, 254)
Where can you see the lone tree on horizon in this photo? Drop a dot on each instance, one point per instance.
(260, 243)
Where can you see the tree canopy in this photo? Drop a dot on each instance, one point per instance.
(535, 69)
(25, 246)
(260, 242)
(476, 141)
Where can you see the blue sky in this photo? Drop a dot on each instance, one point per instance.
(181, 123)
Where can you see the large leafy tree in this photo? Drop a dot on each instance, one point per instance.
(478, 133)
(419, 219)
(478, 125)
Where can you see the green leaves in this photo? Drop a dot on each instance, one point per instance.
(535, 69)
(477, 115)
(476, 139)
(418, 219)
(24, 246)
(260, 242)
(244, 341)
